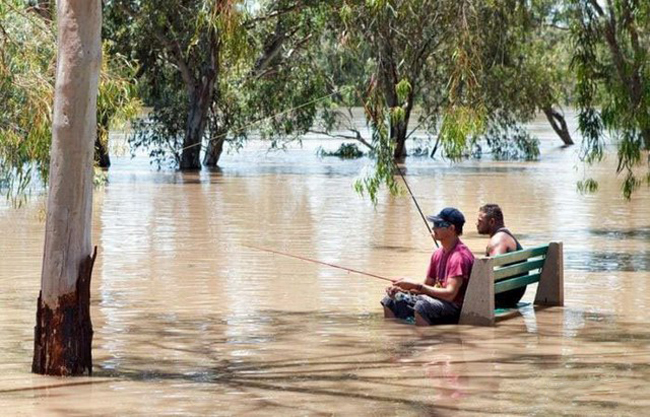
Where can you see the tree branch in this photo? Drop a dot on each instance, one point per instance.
(173, 48)
(276, 13)
(595, 5)
(414, 129)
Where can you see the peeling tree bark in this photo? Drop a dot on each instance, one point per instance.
(63, 332)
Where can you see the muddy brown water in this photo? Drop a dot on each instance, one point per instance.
(189, 321)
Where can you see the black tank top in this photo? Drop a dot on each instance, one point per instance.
(509, 299)
(509, 233)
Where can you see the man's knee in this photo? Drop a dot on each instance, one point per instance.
(388, 313)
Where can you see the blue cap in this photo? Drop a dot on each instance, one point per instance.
(449, 214)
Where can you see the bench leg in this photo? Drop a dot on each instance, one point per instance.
(550, 290)
(478, 307)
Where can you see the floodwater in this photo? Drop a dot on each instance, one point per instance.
(189, 320)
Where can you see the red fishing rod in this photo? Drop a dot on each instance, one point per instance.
(319, 262)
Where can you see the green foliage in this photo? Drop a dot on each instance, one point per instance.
(162, 130)
(474, 70)
(26, 94)
(587, 186)
(610, 62)
(117, 101)
(27, 75)
(459, 125)
(382, 171)
(526, 56)
(509, 141)
(345, 151)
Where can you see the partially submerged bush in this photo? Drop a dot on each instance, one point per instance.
(511, 142)
(345, 151)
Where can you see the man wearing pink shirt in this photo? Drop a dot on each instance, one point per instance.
(440, 298)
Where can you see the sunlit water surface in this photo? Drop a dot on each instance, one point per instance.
(190, 321)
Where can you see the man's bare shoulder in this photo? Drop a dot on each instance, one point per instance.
(502, 242)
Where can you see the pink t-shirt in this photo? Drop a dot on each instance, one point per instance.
(455, 263)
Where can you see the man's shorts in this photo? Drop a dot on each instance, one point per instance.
(433, 310)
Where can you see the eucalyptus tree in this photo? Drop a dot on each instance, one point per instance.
(525, 71)
(424, 54)
(494, 55)
(611, 40)
(211, 68)
(180, 45)
(401, 45)
(63, 332)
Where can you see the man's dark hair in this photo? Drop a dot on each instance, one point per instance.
(459, 229)
(493, 211)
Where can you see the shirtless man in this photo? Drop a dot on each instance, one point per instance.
(490, 222)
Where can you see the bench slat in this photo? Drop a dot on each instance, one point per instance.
(520, 255)
(511, 284)
(510, 271)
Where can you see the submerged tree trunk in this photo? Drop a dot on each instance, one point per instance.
(102, 158)
(196, 119)
(398, 136)
(201, 94)
(556, 119)
(215, 149)
(63, 331)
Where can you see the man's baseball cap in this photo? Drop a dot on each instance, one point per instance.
(449, 214)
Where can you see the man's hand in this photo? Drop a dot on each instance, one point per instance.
(392, 290)
(403, 285)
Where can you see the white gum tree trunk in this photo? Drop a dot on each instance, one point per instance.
(63, 332)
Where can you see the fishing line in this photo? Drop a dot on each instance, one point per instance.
(319, 262)
(426, 223)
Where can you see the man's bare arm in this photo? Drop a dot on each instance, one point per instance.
(501, 243)
(448, 293)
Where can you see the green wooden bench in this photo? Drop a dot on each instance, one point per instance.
(490, 276)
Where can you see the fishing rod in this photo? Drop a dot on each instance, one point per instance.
(319, 262)
(426, 223)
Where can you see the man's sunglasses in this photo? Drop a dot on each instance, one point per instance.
(441, 223)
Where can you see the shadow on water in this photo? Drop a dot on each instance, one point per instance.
(277, 375)
(345, 359)
(352, 366)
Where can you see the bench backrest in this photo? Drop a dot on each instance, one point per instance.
(490, 276)
(518, 269)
